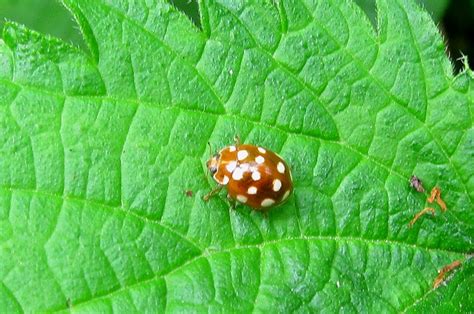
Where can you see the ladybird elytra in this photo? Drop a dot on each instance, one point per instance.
(253, 175)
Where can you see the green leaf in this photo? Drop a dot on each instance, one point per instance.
(98, 150)
(436, 8)
(47, 16)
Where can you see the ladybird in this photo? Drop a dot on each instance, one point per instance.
(253, 175)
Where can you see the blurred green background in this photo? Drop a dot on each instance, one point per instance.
(45, 16)
(454, 17)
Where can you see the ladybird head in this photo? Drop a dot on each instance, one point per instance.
(212, 163)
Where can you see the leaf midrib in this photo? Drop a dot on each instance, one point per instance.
(265, 125)
(126, 211)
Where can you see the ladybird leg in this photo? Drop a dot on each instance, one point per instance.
(232, 202)
(237, 140)
(213, 192)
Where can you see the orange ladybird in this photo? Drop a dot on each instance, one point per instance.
(253, 175)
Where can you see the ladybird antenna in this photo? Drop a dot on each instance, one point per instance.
(210, 149)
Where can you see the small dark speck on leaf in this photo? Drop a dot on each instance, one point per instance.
(416, 183)
(189, 193)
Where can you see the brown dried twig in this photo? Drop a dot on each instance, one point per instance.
(421, 213)
(442, 273)
(436, 195)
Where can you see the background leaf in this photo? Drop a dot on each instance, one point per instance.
(46, 16)
(436, 8)
(97, 152)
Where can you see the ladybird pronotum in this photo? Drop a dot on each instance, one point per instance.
(253, 175)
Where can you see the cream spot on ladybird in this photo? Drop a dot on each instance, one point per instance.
(225, 180)
(252, 190)
(237, 174)
(285, 196)
(231, 166)
(256, 175)
(242, 198)
(260, 160)
(267, 202)
(242, 154)
(276, 185)
(232, 148)
(262, 150)
(245, 167)
(281, 167)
